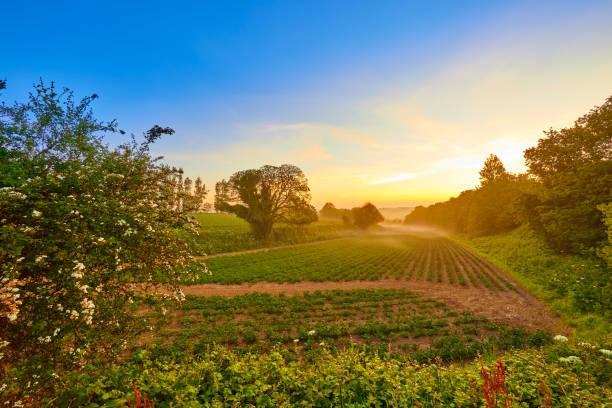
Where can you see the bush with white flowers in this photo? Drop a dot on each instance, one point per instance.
(79, 223)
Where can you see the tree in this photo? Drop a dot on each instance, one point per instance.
(329, 210)
(574, 167)
(588, 141)
(493, 170)
(606, 251)
(78, 221)
(366, 216)
(266, 196)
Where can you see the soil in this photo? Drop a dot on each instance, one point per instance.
(514, 308)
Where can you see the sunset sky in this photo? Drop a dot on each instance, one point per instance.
(398, 103)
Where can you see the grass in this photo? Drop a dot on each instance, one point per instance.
(579, 288)
(227, 233)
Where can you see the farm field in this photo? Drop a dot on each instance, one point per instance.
(399, 257)
(226, 233)
(393, 321)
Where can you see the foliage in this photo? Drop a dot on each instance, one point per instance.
(574, 284)
(266, 196)
(330, 211)
(366, 216)
(77, 220)
(493, 170)
(606, 251)
(570, 173)
(352, 378)
(588, 141)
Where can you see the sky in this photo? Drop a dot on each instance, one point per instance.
(394, 102)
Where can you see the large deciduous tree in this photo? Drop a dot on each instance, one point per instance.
(266, 196)
(79, 221)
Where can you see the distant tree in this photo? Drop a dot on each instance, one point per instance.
(329, 210)
(493, 170)
(366, 216)
(266, 196)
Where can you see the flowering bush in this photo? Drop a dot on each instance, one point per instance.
(79, 222)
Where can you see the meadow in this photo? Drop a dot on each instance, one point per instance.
(226, 233)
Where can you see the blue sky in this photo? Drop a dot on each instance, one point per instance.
(394, 102)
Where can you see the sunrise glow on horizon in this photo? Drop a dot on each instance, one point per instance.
(396, 104)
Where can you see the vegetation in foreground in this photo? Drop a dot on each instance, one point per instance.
(564, 375)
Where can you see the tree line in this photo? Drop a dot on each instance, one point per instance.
(564, 196)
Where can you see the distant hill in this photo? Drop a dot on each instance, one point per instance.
(396, 212)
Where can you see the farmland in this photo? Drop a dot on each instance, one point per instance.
(400, 257)
(384, 320)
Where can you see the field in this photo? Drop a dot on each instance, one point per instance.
(385, 320)
(361, 258)
(225, 233)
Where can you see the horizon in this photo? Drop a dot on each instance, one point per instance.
(398, 106)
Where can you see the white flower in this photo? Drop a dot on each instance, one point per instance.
(311, 333)
(79, 266)
(296, 340)
(12, 316)
(560, 338)
(100, 239)
(571, 359)
(606, 352)
(40, 258)
(76, 275)
(20, 259)
(36, 214)
(322, 344)
(121, 222)
(56, 331)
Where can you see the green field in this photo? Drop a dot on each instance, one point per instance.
(363, 258)
(383, 320)
(228, 233)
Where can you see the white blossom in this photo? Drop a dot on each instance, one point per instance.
(571, 359)
(36, 214)
(560, 338)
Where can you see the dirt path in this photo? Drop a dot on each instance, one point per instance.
(252, 251)
(516, 309)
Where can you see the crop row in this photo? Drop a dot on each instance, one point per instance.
(371, 258)
(385, 319)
